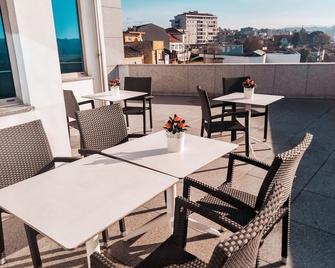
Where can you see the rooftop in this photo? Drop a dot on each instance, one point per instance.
(312, 229)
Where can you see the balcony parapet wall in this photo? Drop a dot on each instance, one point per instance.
(310, 80)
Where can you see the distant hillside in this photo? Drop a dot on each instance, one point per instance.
(328, 30)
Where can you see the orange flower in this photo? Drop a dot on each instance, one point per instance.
(168, 125)
(181, 124)
(178, 118)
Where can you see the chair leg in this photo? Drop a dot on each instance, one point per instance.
(33, 246)
(105, 238)
(144, 119)
(233, 136)
(202, 129)
(2, 243)
(266, 123)
(285, 237)
(165, 197)
(150, 111)
(127, 120)
(68, 126)
(247, 144)
(122, 225)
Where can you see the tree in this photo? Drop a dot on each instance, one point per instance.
(295, 39)
(304, 54)
(303, 37)
(318, 39)
(252, 43)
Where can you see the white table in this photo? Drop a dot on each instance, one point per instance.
(112, 97)
(72, 204)
(151, 151)
(258, 100)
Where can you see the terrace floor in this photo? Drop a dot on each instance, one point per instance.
(313, 207)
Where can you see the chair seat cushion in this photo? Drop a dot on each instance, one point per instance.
(237, 205)
(133, 110)
(168, 254)
(220, 126)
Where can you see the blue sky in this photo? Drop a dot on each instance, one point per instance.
(234, 13)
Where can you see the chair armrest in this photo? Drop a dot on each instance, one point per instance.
(86, 152)
(249, 160)
(98, 260)
(87, 102)
(65, 159)
(245, 159)
(189, 182)
(136, 135)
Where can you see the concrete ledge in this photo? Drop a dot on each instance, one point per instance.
(15, 109)
(310, 80)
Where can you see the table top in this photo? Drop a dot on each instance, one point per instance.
(73, 203)
(151, 151)
(258, 99)
(112, 97)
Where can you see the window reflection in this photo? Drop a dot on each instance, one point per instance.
(7, 89)
(68, 35)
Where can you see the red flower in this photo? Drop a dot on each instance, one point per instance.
(181, 124)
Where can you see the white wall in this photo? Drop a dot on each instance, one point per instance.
(282, 58)
(36, 54)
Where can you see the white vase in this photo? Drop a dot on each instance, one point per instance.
(249, 92)
(115, 90)
(175, 142)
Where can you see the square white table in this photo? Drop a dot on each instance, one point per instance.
(112, 97)
(72, 204)
(257, 100)
(151, 152)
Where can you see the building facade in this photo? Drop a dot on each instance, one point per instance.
(45, 50)
(200, 28)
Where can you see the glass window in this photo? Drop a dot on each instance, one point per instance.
(68, 35)
(7, 89)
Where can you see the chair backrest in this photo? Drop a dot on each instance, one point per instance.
(283, 170)
(102, 128)
(233, 84)
(205, 106)
(24, 152)
(142, 84)
(241, 249)
(71, 104)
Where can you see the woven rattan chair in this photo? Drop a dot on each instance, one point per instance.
(71, 107)
(24, 153)
(239, 250)
(236, 208)
(103, 128)
(212, 124)
(142, 84)
(234, 84)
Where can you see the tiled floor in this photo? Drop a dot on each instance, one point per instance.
(313, 208)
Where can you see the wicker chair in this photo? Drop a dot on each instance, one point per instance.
(24, 153)
(236, 208)
(234, 84)
(72, 106)
(142, 84)
(209, 124)
(102, 128)
(239, 250)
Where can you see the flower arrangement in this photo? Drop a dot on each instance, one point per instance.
(114, 83)
(249, 83)
(176, 124)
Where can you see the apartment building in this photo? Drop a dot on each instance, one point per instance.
(199, 28)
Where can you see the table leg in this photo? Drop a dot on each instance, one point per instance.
(91, 247)
(170, 204)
